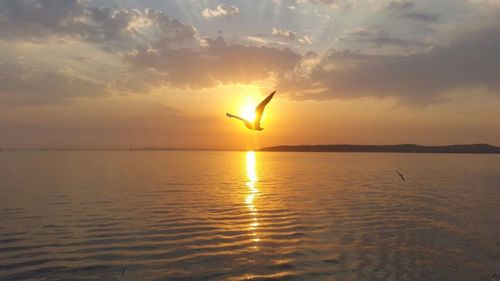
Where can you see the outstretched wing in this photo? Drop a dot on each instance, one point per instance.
(237, 117)
(401, 175)
(259, 110)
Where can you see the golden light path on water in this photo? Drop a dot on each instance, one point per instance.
(253, 191)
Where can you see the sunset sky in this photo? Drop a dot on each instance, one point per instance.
(151, 73)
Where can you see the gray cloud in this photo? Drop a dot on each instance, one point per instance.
(400, 5)
(170, 31)
(286, 34)
(36, 20)
(330, 3)
(20, 85)
(467, 62)
(405, 9)
(113, 29)
(217, 63)
(379, 38)
(170, 54)
(290, 36)
(221, 10)
(420, 16)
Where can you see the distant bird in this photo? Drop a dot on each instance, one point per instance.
(259, 110)
(400, 175)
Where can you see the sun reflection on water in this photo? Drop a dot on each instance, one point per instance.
(252, 193)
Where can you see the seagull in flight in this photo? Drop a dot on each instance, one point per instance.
(400, 175)
(259, 110)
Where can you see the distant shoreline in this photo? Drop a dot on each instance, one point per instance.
(347, 148)
(399, 148)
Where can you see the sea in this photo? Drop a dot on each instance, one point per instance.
(245, 215)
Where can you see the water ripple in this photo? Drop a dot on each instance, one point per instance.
(249, 216)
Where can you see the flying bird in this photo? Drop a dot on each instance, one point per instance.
(400, 175)
(259, 110)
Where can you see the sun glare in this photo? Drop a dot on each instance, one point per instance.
(248, 112)
(247, 108)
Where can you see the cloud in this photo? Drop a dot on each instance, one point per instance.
(305, 40)
(116, 31)
(405, 9)
(469, 61)
(216, 63)
(335, 4)
(256, 39)
(221, 10)
(21, 85)
(291, 36)
(38, 20)
(489, 2)
(171, 31)
(420, 16)
(378, 38)
(400, 5)
(286, 34)
(157, 51)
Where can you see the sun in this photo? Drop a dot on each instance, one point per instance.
(248, 112)
(250, 94)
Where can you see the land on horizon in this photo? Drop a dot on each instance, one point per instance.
(383, 148)
(398, 148)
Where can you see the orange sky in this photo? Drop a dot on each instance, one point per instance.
(104, 74)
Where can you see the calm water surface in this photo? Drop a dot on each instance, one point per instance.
(248, 216)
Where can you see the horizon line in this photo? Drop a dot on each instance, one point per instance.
(219, 149)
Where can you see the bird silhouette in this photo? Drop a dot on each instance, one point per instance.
(400, 175)
(259, 110)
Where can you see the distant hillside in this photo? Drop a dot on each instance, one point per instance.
(399, 148)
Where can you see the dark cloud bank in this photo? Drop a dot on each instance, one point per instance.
(472, 60)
